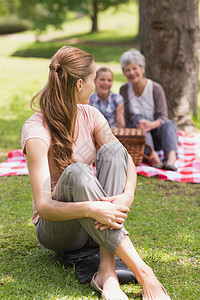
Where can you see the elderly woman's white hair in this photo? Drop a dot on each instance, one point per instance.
(132, 56)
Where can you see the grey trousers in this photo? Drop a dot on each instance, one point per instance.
(163, 138)
(78, 183)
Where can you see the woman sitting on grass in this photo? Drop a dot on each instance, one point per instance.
(111, 105)
(146, 107)
(72, 206)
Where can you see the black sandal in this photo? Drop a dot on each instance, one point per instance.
(159, 166)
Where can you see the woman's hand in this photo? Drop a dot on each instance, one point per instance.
(124, 199)
(147, 125)
(109, 215)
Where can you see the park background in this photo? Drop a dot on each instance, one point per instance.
(163, 222)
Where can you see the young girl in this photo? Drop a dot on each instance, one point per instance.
(72, 207)
(110, 105)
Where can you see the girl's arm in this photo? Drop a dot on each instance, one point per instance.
(49, 209)
(120, 116)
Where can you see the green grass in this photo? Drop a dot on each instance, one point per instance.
(164, 219)
(163, 225)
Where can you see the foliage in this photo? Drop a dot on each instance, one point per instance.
(54, 13)
(8, 6)
(40, 13)
(93, 7)
(13, 24)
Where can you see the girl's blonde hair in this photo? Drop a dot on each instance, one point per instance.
(103, 69)
(57, 101)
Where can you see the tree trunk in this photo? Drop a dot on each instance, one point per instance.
(170, 43)
(141, 21)
(94, 16)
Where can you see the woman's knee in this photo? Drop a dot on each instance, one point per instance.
(78, 175)
(75, 184)
(169, 125)
(112, 151)
(73, 178)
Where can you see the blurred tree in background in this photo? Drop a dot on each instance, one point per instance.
(93, 7)
(169, 32)
(42, 13)
(8, 6)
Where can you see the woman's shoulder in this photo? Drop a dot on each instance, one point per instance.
(87, 110)
(89, 115)
(156, 85)
(35, 118)
(35, 121)
(34, 127)
(158, 93)
(124, 91)
(124, 87)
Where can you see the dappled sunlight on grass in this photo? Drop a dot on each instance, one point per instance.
(133, 291)
(7, 279)
(159, 254)
(29, 223)
(155, 236)
(187, 238)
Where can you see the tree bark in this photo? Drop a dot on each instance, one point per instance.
(94, 16)
(141, 21)
(170, 43)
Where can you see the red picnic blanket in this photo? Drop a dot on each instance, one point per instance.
(188, 162)
(14, 165)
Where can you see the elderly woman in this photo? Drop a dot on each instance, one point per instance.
(145, 107)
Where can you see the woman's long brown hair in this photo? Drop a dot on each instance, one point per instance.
(57, 101)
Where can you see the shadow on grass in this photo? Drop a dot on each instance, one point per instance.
(48, 49)
(39, 274)
(103, 49)
(102, 37)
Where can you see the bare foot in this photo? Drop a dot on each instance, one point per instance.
(153, 289)
(110, 286)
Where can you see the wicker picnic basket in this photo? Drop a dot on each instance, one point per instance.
(134, 141)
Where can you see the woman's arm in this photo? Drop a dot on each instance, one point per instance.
(160, 102)
(160, 109)
(49, 209)
(120, 116)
